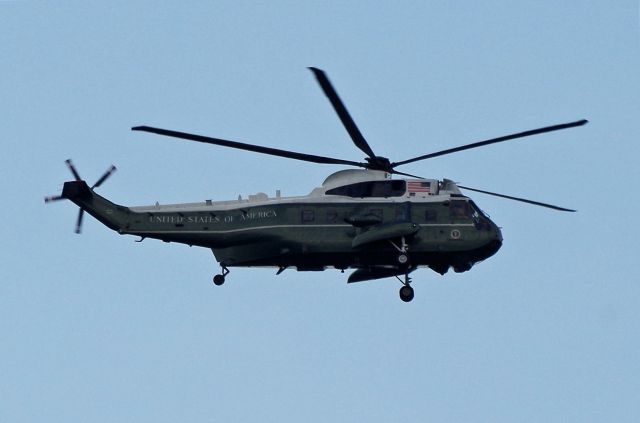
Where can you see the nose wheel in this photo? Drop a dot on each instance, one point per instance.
(220, 278)
(406, 292)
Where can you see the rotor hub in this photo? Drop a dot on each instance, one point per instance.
(379, 163)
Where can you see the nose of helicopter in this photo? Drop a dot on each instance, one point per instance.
(498, 234)
(492, 237)
(495, 240)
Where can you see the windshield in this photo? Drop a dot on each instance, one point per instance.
(477, 210)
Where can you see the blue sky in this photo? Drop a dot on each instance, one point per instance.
(99, 328)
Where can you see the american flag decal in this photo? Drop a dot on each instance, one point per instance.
(418, 186)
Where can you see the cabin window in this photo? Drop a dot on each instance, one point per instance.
(332, 216)
(371, 189)
(460, 210)
(308, 216)
(430, 215)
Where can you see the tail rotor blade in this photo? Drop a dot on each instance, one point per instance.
(104, 177)
(79, 221)
(73, 170)
(53, 198)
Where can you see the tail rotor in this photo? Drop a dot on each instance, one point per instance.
(77, 177)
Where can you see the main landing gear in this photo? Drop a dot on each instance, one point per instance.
(406, 292)
(219, 279)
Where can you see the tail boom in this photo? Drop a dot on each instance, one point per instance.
(112, 215)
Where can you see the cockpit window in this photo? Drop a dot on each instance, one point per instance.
(480, 219)
(371, 189)
(476, 210)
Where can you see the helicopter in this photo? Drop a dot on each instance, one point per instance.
(360, 218)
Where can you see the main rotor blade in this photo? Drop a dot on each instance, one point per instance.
(342, 112)
(524, 200)
(494, 140)
(249, 147)
(404, 174)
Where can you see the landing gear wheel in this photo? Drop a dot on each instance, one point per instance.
(403, 259)
(219, 279)
(406, 293)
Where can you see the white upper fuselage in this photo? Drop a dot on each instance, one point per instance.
(337, 187)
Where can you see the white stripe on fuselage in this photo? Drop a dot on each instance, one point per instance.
(275, 227)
